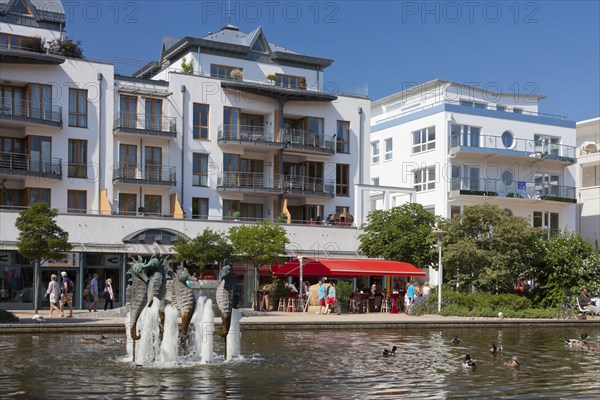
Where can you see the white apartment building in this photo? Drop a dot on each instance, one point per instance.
(458, 145)
(131, 162)
(588, 179)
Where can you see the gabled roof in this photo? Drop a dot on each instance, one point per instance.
(42, 10)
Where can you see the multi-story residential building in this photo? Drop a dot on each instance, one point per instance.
(133, 162)
(458, 145)
(588, 179)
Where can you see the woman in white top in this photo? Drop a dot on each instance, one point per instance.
(54, 292)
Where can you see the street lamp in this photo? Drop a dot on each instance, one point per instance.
(440, 235)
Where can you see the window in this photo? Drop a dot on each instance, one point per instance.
(200, 128)
(389, 147)
(127, 203)
(375, 153)
(152, 204)
(423, 140)
(77, 158)
(222, 71)
(199, 208)
(425, 179)
(78, 109)
(343, 137)
(38, 195)
(76, 201)
(507, 139)
(200, 170)
(465, 135)
(342, 180)
(290, 81)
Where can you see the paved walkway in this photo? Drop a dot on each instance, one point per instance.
(114, 320)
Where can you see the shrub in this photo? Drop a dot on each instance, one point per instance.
(7, 316)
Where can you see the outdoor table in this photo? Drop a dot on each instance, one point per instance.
(394, 296)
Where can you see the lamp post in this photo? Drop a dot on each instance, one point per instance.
(440, 236)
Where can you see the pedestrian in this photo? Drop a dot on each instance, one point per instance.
(94, 292)
(66, 297)
(330, 301)
(321, 296)
(109, 296)
(54, 292)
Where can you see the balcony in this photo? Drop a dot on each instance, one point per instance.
(247, 135)
(498, 145)
(24, 165)
(140, 174)
(306, 186)
(27, 112)
(514, 190)
(249, 182)
(295, 139)
(147, 125)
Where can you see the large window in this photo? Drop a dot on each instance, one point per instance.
(78, 110)
(200, 170)
(222, 71)
(342, 138)
(127, 203)
(76, 201)
(200, 128)
(375, 153)
(77, 158)
(389, 149)
(423, 139)
(425, 179)
(199, 208)
(342, 180)
(153, 204)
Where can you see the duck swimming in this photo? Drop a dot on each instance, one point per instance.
(455, 340)
(577, 342)
(391, 352)
(90, 340)
(468, 362)
(513, 362)
(495, 349)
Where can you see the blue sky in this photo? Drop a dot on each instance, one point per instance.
(535, 47)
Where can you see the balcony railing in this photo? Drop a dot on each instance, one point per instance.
(145, 124)
(246, 133)
(17, 163)
(295, 137)
(524, 190)
(306, 185)
(539, 148)
(28, 111)
(144, 174)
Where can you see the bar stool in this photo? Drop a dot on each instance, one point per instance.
(385, 305)
(282, 304)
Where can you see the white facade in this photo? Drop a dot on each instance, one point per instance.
(588, 179)
(460, 146)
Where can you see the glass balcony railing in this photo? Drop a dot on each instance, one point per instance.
(524, 190)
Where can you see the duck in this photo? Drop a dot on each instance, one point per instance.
(390, 352)
(455, 340)
(90, 340)
(469, 363)
(495, 349)
(577, 342)
(513, 362)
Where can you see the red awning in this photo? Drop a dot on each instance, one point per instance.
(347, 267)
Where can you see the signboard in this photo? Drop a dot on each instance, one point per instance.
(71, 260)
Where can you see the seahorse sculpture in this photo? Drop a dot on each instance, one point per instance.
(226, 296)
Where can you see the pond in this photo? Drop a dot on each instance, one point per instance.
(313, 364)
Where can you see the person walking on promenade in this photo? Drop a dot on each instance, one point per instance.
(94, 292)
(109, 296)
(54, 292)
(321, 296)
(68, 287)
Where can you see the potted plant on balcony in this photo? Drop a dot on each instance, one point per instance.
(272, 78)
(236, 74)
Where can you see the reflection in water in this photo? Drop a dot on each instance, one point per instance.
(325, 364)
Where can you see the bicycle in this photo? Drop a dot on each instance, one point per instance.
(565, 310)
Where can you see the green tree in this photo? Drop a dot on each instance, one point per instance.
(40, 239)
(203, 250)
(488, 248)
(402, 233)
(570, 262)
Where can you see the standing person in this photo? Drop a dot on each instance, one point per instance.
(411, 295)
(94, 292)
(67, 295)
(109, 296)
(321, 296)
(54, 292)
(330, 301)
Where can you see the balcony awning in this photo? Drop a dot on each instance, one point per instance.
(347, 267)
